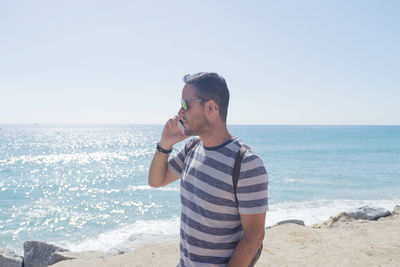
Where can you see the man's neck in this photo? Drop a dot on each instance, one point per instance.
(215, 136)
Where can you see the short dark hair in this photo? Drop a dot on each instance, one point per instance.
(210, 85)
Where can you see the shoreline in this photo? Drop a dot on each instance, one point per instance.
(134, 235)
(352, 238)
(344, 242)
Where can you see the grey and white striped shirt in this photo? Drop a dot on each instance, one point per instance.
(210, 220)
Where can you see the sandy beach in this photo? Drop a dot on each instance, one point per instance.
(345, 242)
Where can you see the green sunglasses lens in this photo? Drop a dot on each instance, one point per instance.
(184, 104)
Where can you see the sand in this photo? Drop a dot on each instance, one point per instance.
(343, 243)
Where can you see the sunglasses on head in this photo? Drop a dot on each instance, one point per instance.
(185, 102)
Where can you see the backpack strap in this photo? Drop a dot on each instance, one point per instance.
(235, 180)
(236, 169)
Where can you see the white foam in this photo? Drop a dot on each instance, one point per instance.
(141, 232)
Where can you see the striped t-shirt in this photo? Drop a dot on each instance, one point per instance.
(210, 220)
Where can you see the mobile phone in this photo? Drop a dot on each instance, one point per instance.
(180, 123)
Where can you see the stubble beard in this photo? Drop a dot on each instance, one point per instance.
(196, 129)
(190, 132)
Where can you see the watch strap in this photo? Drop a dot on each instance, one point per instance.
(162, 150)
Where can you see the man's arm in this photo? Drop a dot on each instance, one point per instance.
(159, 174)
(253, 235)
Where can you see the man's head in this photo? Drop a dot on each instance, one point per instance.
(211, 86)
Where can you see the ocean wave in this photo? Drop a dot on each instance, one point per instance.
(138, 233)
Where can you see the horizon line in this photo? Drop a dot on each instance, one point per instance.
(160, 124)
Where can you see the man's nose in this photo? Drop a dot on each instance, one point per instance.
(181, 112)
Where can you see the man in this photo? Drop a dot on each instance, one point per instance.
(215, 230)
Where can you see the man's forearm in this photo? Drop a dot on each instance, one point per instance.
(158, 169)
(158, 173)
(246, 249)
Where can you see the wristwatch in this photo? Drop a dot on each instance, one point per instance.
(162, 150)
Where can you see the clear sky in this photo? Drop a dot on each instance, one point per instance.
(285, 62)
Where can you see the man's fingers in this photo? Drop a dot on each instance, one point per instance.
(171, 123)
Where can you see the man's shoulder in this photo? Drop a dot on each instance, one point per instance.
(191, 143)
(250, 157)
(193, 140)
(238, 143)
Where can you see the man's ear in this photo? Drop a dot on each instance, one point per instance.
(211, 105)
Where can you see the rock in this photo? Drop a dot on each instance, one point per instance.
(68, 255)
(368, 213)
(9, 258)
(37, 254)
(124, 246)
(115, 251)
(299, 222)
(396, 209)
(338, 220)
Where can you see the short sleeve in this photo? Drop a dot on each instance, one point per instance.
(176, 162)
(252, 189)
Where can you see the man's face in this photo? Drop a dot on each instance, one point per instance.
(194, 120)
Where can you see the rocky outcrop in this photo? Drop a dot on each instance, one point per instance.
(368, 213)
(340, 219)
(68, 255)
(363, 214)
(37, 254)
(8, 258)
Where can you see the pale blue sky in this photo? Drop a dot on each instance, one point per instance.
(285, 62)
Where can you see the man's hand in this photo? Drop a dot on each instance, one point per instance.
(159, 174)
(253, 234)
(171, 134)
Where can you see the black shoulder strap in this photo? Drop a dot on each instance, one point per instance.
(235, 180)
(236, 169)
(192, 145)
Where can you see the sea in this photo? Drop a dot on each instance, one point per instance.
(84, 187)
